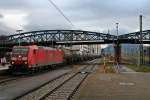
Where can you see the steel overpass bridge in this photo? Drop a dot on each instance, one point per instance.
(75, 37)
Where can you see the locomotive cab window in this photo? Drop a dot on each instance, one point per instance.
(20, 51)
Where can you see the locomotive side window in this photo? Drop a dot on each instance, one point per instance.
(20, 51)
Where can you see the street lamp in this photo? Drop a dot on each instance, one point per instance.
(19, 31)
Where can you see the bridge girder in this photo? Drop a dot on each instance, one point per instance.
(57, 36)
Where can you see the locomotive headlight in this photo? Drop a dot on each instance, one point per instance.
(12, 62)
(13, 58)
(25, 62)
(24, 58)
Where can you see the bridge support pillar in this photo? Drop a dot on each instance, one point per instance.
(117, 53)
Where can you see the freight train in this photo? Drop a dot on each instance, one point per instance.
(34, 58)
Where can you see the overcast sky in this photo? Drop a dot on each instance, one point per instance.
(93, 15)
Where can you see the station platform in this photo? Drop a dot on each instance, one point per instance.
(4, 67)
(115, 86)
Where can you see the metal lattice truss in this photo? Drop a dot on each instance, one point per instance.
(136, 35)
(136, 38)
(59, 36)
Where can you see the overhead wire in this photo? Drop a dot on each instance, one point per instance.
(148, 18)
(60, 11)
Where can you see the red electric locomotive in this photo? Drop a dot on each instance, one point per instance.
(25, 58)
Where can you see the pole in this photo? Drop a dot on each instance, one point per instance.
(117, 29)
(104, 66)
(140, 61)
(117, 46)
(149, 54)
(72, 48)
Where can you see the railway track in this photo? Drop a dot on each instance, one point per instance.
(12, 78)
(66, 89)
(61, 88)
(4, 77)
(8, 79)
